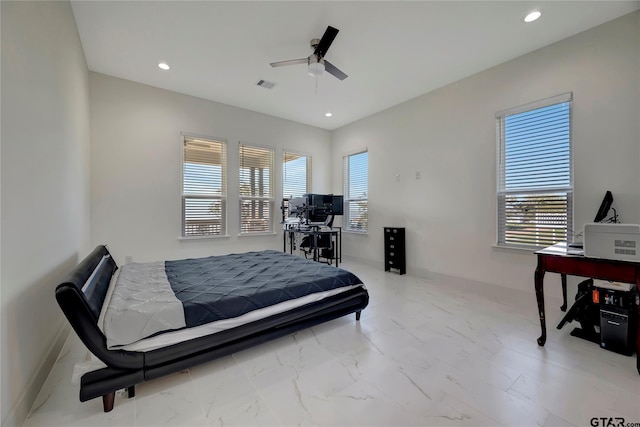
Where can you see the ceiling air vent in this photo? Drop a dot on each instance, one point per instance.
(265, 84)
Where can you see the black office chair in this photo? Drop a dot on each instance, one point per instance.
(323, 244)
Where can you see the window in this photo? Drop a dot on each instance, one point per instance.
(204, 186)
(256, 189)
(535, 179)
(296, 172)
(356, 191)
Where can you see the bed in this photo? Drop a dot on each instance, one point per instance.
(144, 321)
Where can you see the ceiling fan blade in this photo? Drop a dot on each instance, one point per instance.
(290, 62)
(326, 40)
(333, 70)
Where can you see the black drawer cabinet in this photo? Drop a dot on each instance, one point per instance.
(394, 254)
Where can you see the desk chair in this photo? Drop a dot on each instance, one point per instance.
(323, 244)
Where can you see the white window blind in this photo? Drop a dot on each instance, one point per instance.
(296, 173)
(204, 183)
(256, 189)
(535, 179)
(356, 179)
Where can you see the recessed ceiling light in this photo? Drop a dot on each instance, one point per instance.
(532, 16)
(163, 65)
(328, 114)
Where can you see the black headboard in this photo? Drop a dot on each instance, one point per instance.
(81, 296)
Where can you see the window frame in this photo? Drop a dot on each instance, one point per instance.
(348, 199)
(555, 192)
(270, 198)
(309, 162)
(223, 196)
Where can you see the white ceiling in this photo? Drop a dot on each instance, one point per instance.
(392, 51)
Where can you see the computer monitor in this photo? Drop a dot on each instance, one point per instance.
(296, 206)
(317, 217)
(321, 206)
(337, 205)
(604, 207)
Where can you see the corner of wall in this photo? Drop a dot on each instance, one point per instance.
(22, 406)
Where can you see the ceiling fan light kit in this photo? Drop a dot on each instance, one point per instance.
(316, 67)
(316, 64)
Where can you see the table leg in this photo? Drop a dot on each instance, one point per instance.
(563, 277)
(315, 247)
(539, 278)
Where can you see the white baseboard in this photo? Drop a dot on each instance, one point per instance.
(23, 404)
(365, 261)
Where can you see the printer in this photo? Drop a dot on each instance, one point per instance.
(612, 241)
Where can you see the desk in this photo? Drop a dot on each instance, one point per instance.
(555, 259)
(335, 234)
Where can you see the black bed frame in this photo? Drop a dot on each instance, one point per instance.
(125, 369)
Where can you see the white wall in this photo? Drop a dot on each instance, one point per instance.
(136, 167)
(45, 188)
(134, 206)
(449, 136)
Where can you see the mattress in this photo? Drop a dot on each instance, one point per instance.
(153, 305)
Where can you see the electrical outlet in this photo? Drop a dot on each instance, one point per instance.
(128, 259)
(417, 175)
(397, 177)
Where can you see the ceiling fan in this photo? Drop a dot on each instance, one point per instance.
(316, 62)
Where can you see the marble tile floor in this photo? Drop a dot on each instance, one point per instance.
(424, 353)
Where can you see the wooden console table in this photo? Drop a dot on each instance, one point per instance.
(555, 259)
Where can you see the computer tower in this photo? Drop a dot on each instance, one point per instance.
(617, 330)
(618, 314)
